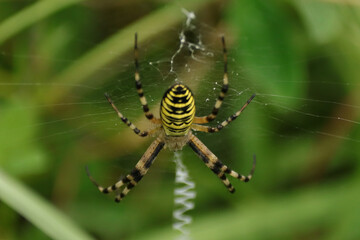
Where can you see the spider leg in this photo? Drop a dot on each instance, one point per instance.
(212, 162)
(127, 122)
(222, 93)
(135, 175)
(138, 85)
(203, 128)
(102, 189)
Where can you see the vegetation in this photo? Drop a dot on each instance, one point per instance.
(58, 58)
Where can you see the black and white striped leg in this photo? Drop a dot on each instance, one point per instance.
(141, 167)
(216, 166)
(222, 94)
(109, 189)
(240, 176)
(203, 128)
(135, 175)
(125, 120)
(138, 85)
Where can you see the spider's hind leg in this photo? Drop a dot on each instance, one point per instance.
(108, 189)
(135, 175)
(219, 169)
(132, 179)
(216, 166)
(141, 167)
(240, 176)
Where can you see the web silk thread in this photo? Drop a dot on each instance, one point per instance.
(184, 196)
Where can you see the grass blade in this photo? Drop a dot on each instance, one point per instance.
(121, 42)
(39, 212)
(31, 15)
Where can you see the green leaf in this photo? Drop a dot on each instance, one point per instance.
(269, 57)
(42, 214)
(322, 20)
(282, 217)
(19, 153)
(30, 15)
(121, 42)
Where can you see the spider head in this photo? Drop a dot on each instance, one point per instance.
(177, 110)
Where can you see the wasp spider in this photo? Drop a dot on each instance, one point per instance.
(174, 131)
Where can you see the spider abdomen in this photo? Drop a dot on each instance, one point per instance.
(177, 110)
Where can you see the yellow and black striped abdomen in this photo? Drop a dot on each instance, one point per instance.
(177, 110)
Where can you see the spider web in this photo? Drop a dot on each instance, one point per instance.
(186, 61)
(163, 67)
(186, 54)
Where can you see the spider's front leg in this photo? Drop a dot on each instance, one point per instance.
(136, 174)
(212, 162)
(224, 89)
(138, 85)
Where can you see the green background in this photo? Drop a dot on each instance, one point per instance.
(301, 58)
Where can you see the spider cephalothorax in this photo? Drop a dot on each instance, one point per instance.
(173, 131)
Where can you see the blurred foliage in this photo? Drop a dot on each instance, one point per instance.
(301, 57)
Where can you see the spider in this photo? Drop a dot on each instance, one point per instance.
(174, 130)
